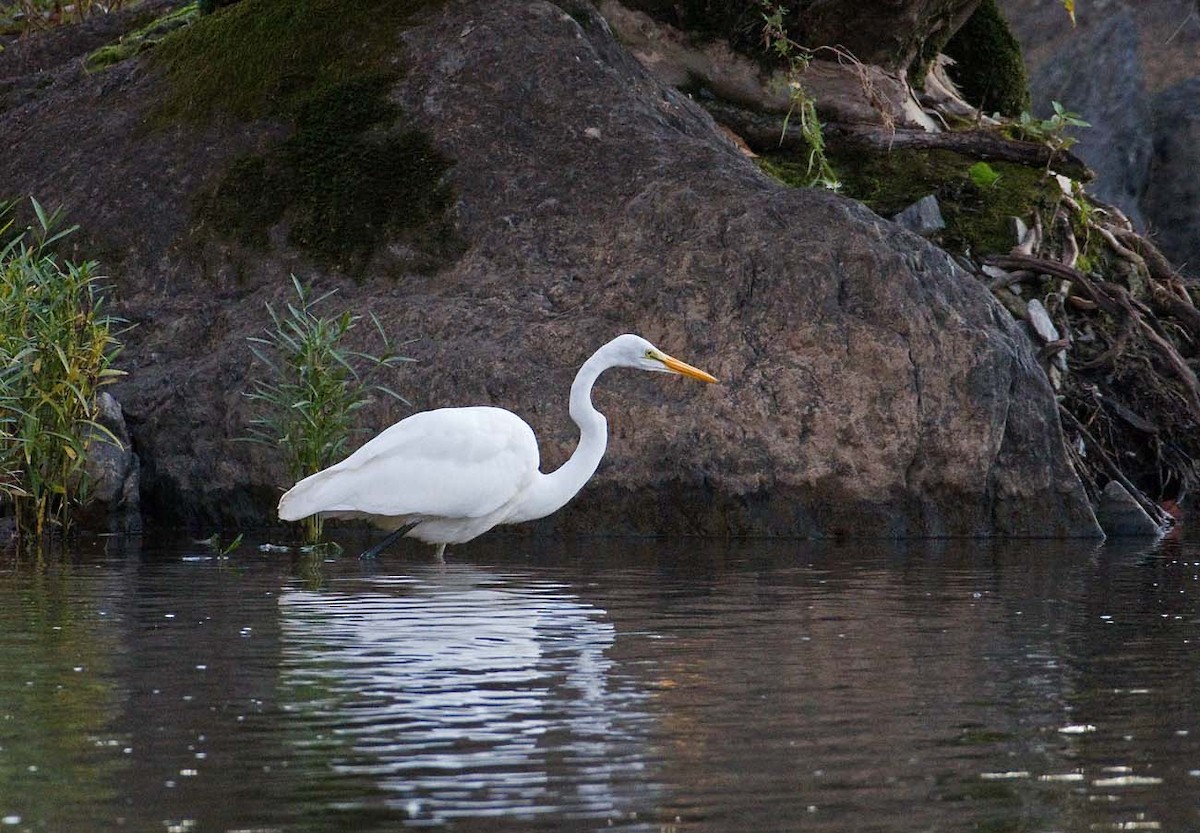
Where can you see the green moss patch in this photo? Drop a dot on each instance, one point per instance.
(988, 66)
(350, 175)
(266, 58)
(142, 38)
(340, 187)
(976, 207)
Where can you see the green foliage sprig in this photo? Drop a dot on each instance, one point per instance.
(1052, 131)
(313, 385)
(802, 106)
(56, 352)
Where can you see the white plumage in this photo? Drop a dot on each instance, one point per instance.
(447, 476)
(461, 463)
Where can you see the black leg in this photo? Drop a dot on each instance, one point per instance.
(387, 542)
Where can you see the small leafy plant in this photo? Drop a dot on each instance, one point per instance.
(56, 352)
(802, 106)
(313, 385)
(1052, 131)
(217, 544)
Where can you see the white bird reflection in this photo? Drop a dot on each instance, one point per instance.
(466, 693)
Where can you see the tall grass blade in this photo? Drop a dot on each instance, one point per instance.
(312, 386)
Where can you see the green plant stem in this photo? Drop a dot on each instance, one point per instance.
(796, 58)
(56, 353)
(312, 387)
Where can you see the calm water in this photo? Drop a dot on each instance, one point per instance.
(603, 684)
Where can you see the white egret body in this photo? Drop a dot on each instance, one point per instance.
(447, 476)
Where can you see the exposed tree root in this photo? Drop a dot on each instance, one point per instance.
(1130, 396)
(765, 132)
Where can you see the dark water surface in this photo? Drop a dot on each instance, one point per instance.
(603, 684)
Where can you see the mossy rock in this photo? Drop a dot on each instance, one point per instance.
(351, 175)
(977, 209)
(988, 67)
(210, 6)
(342, 186)
(142, 38)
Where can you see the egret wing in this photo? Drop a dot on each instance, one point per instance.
(453, 462)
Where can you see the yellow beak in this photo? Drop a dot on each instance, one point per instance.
(676, 366)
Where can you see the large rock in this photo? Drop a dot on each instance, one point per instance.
(1098, 74)
(869, 387)
(1172, 199)
(1128, 68)
(1168, 33)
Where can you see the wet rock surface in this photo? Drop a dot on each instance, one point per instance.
(1120, 515)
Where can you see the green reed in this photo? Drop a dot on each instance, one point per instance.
(56, 352)
(314, 386)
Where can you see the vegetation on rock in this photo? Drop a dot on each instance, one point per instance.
(25, 16)
(988, 66)
(56, 353)
(141, 39)
(978, 208)
(313, 385)
(351, 174)
(341, 187)
(1123, 349)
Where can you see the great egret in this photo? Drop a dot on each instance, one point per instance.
(449, 475)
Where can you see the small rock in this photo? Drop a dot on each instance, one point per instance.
(1121, 516)
(1019, 229)
(924, 217)
(1039, 319)
(112, 470)
(108, 461)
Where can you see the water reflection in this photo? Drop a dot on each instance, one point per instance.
(639, 685)
(466, 692)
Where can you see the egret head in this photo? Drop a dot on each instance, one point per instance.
(634, 351)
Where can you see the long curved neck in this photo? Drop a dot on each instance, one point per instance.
(551, 492)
